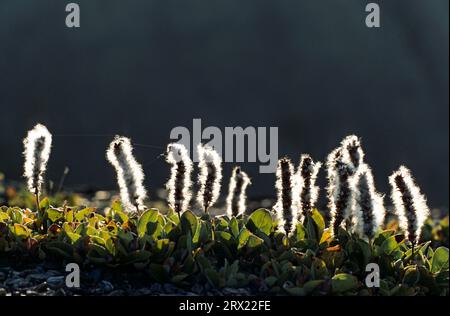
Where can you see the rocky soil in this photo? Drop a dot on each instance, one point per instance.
(42, 280)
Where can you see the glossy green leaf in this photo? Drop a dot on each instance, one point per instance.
(82, 214)
(20, 231)
(389, 245)
(54, 214)
(148, 218)
(440, 260)
(260, 221)
(343, 282)
(189, 222)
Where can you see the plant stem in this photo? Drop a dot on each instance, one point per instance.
(36, 195)
(177, 209)
(137, 209)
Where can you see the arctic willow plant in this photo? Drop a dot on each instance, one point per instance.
(179, 184)
(368, 206)
(410, 203)
(237, 198)
(130, 176)
(287, 196)
(308, 190)
(342, 164)
(210, 176)
(37, 146)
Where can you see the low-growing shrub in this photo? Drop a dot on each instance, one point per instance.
(226, 252)
(284, 250)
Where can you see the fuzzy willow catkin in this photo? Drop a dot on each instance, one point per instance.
(409, 203)
(130, 176)
(368, 206)
(331, 169)
(210, 176)
(339, 192)
(179, 184)
(37, 148)
(352, 153)
(308, 190)
(287, 195)
(342, 164)
(237, 198)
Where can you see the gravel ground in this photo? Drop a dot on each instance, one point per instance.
(41, 280)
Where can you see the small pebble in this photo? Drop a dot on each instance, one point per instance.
(55, 282)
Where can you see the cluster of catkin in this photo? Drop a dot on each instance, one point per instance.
(353, 201)
(179, 186)
(297, 192)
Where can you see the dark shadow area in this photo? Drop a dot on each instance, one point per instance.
(312, 68)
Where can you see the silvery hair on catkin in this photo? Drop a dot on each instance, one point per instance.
(409, 203)
(210, 176)
(352, 153)
(287, 196)
(368, 206)
(179, 184)
(130, 176)
(237, 198)
(37, 148)
(308, 190)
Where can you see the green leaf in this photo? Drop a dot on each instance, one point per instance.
(60, 248)
(15, 214)
(295, 291)
(203, 232)
(243, 237)
(97, 253)
(300, 232)
(411, 276)
(20, 231)
(310, 286)
(224, 236)
(98, 240)
(318, 268)
(138, 256)
(246, 238)
(234, 225)
(73, 237)
(389, 245)
(69, 216)
(271, 280)
(213, 277)
(343, 282)
(117, 213)
(54, 214)
(260, 221)
(254, 241)
(440, 260)
(189, 222)
(44, 204)
(116, 206)
(81, 214)
(382, 236)
(311, 228)
(4, 216)
(177, 279)
(320, 223)
(221, 224)
(148, 217)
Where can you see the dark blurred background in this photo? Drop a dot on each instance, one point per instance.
(312, 68)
